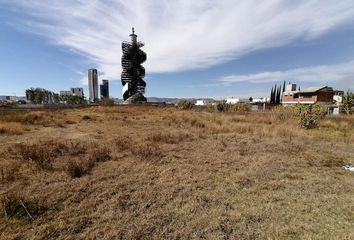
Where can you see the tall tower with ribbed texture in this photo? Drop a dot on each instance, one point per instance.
(133, 72)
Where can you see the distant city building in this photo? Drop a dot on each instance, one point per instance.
(260, 100)
(73, 92)
(65, 93)
(237, 100)
(77, 92)
(93, 85)
(104, 89)
(5, 98)
(204, 102)
(232, 100)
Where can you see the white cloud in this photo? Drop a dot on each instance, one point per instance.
(340, 75)
(180, 34)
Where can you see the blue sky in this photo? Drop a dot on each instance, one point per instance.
(201, 48)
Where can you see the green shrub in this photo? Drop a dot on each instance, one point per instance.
(222, 107)
(106, 102)
(227, 107)
(239, 107)
(185, 105)
(310, 115)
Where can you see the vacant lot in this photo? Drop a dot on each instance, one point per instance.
(161, 173)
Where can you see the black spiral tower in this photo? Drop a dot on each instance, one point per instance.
(133, 72)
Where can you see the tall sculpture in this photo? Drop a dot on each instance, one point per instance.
(133, 72)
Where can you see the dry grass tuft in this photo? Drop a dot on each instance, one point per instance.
(39, 153)
(147, 152)
(123, 143)
(79, 167)
(10, 172)
(16, 205)
(12, 128)
(170, 138)
(100, 155)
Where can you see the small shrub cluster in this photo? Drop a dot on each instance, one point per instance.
(221, 107)
(44, 154)
(185, 105)
(227, 107)
(39, 153)
(107, 102)
(310, 115)
(82, 166)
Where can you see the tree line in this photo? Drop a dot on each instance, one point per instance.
(276, 93)
(43, 96)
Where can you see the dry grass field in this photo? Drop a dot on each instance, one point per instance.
(162, 173)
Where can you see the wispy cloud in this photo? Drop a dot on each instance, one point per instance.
(180, 34)
(341, 75)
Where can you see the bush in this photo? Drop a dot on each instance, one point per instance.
(227, 107)
(348, 102)
(221, 107)
(239, 107)
(185, 105)
(39, 153)
(106, 102)
(310, 115)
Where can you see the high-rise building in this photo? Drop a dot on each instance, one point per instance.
(133, 72)
(93, 85)
(104, 87)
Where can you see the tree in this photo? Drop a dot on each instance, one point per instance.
(271, 95)
(277, 100)
(348, 101)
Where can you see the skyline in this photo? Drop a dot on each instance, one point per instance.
(200, 49)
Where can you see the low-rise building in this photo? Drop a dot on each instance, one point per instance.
(311, 95)
(204, 102)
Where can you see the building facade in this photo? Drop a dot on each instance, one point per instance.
(77, 92)
(312, 95)
(104, 89)
(93, 85)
